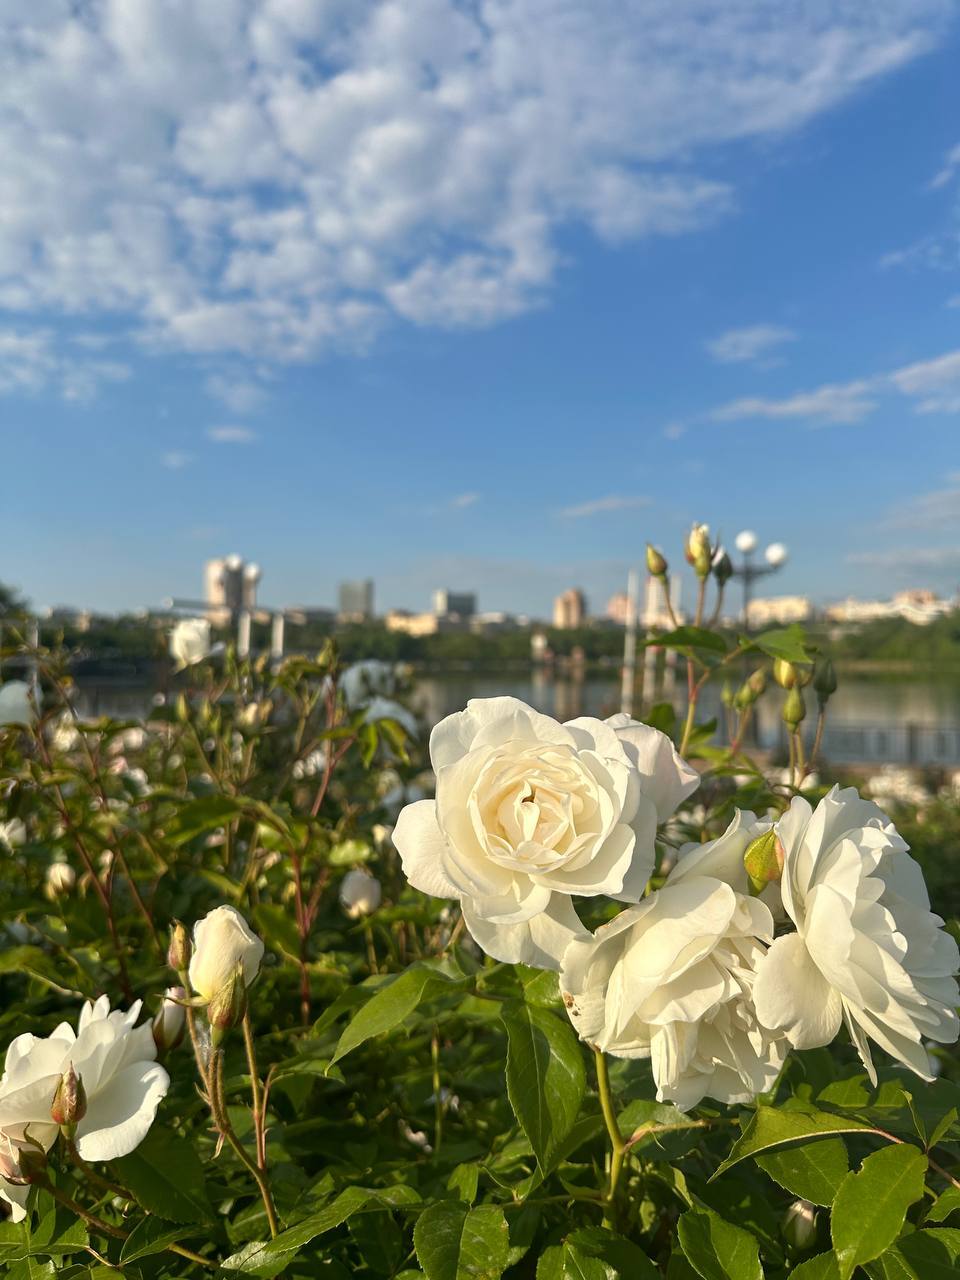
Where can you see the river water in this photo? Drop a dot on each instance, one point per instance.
(871, 720)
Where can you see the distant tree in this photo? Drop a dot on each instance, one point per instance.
(10, 600)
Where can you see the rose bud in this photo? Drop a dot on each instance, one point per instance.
(222, 943)
(69, 1104)
(698, 551)
(763, 860)
(799, 1225)
(228, 1006)
(794, 709)
(60, 880)
(656, 564)
(179, 951)
(21, 1164)
(169, 1021)
(824, 680)
(360, 893)
(722, 567)
(785, 673)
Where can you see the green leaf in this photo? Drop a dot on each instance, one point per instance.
(773, 1127)
(151, 1235)
(783, 642)
(871, 1205)
(690, 638)
(947, 1203)
(812, 1171)
(267, 1259)
(626, 1258)
(166, 1176)
(198, 816)
(394, 1000)
(822, 1267)
(921, 1255)
(545, 1077)
(454, 1242)
(716, 1249)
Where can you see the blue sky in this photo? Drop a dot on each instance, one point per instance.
(476, 295)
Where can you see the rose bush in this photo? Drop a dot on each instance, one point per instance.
(594, 1007)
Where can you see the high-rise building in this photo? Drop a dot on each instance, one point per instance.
(355, 600)
(462, 603)
(618, 608)
(569, 609)
(229, 585)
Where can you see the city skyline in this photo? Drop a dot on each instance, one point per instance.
(373, 295)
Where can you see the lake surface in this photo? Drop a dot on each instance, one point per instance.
(871, 720)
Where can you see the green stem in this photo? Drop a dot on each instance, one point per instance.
(256, 1092)
(617, 1144)
(437, 1100)
(226, 1128)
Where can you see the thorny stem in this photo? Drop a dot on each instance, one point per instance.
(107, 1229)
(617, 1144)
(817, 740)
(258, 1108)
(222, 1121)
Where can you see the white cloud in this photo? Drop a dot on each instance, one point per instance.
(938, 509)
(175, 460)
(231, 435)
(742, 346)
(834, 403)
(936, 382)
(275, 178)
(949, 169)
(239, 393)
(600, 506)
(32, 360)
(463, 500)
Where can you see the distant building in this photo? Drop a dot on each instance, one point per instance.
(496, 621)
(355, 600)
(919, 606)
(420, 624)
(618, 608)
(569, 609)
(779, 611)
(229, 585)
(462, 603)
(300, 614)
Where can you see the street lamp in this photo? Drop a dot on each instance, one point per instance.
(775, 557)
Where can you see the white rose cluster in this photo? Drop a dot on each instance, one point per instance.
(710, 980)
(115, 1062)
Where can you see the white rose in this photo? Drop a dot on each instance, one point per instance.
(17, 704)
(867, 951)
(12, 834)
(528, 812)
(365, 680)
(115, 1062)
(190, 642)
(222, 941)
(169, 1020)
(671, 979)
(360, 893)
(60, 879)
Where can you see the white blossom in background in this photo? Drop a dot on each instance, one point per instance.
(17, 704)
(387, 709)
(12, 834)
(671, 979)
(222, 943)
(65, 735)
(360, 893)
(59, 880)
(116, 1063)
(365, 680)
(867, 950)
(529, 813)
(311, 765)
(893, 785)
(190, 642)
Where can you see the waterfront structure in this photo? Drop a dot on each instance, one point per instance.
(421, 624)
(230, 588)
(461, 603)
(569, 609)
(778, 611)
(355, 600)
(917, 605)
(749, 570)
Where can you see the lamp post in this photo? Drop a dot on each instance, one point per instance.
(750, 570)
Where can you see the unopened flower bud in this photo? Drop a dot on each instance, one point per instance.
(824, 680)
(722, 566)
(21, 1163)
(178, 953)
(182, 708)
(698, 551)
(656, 564)
(227, 1007)
(785, 673)
(804, 674)
(757, 681)
(794, 709)
(799, 1225)
(168, 1022)
(763, 860)
(360, 893)
(750, 690)
(727, 694)
(69, 1104)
